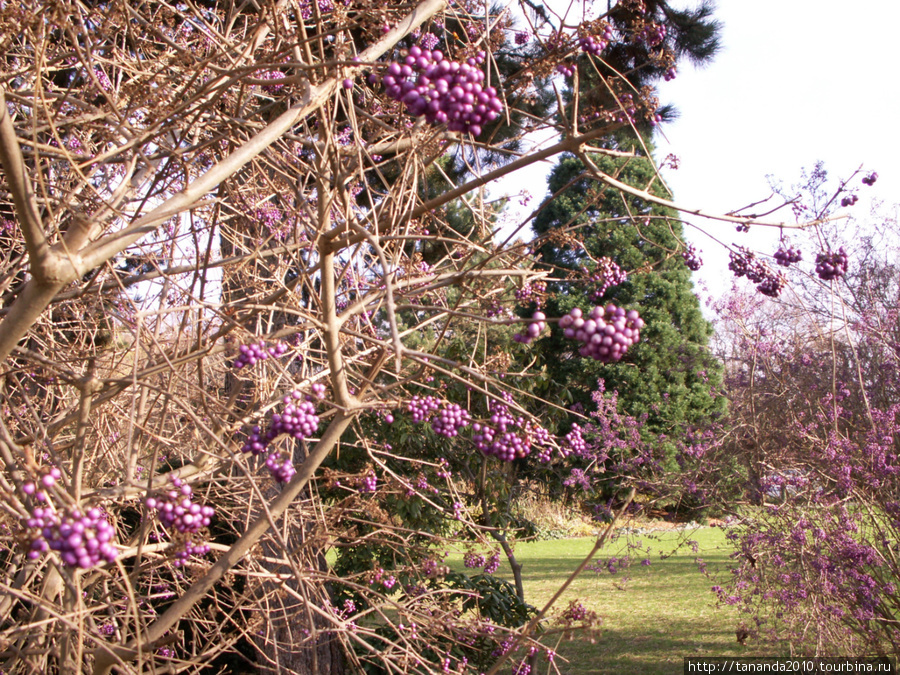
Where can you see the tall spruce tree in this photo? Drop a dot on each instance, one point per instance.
(669, 377)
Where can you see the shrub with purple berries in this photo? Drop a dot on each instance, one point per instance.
(574, 442)
(368, 483)
(450, 420)
(297, 419)
(421, 407)
(500, 435)
(744, 263)
(473, 560)
(772, 284)
(595, 44)
(532, 292)
(606, 275)
(280, 466)
(190, 547)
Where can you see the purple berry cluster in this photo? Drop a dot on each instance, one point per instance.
(606, 334)
(473, 560)
(445, 92)
(535, 328)
(567, 69)
(493, 564)
(505, 445)
(788, 256)
(82, 538)
(606, 275)
(188, 548)
(256, 442)
(253, 353)
(47, 479)
(540, 437)
(575, 612)
(177, 511)
(692, 258)
(450, 420)
(595, 44)
(280, 466)
(499, 437)
(544, 454)
(574, 442)
(849, 200)
(627, 110)
(772, 285)
(744, 264)
(831, 264)
(297, 419)
(651, 34)
(368, 483)
(378, 577)
(521, 37)
(870, 179)
(429, 41)
(531, 292)
(421, 407)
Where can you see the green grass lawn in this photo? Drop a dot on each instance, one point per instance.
(652, 620)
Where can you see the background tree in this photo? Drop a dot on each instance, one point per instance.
(591, 235)
(594, 238)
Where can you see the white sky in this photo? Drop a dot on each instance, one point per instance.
(796, 81)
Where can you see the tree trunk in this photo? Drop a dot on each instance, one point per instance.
(294, 637)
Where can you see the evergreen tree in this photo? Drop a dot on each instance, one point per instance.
(668, 380)
(690, 34)
(668, 377)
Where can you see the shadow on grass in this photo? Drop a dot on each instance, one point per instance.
(659, 649)
(653, 616)
(549, 569)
